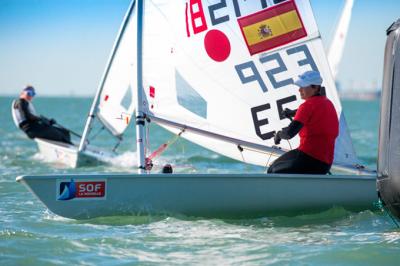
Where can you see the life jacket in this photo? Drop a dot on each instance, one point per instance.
(19, 116)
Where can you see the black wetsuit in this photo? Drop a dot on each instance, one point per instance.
(297, 162)
(37, 127)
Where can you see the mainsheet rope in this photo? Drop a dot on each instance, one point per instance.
(160, 149)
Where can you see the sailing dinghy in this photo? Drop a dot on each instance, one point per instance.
(112, 108)
(217, 73)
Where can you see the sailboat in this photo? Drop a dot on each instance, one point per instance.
(335, 54)
(335, 51)
(111, 110)
(218, 73)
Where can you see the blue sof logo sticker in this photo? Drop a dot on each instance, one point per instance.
(81, 190)
(67, 190)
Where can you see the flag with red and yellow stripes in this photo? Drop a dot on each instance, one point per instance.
(272, 27)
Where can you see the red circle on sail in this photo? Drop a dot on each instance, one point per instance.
(217, 45)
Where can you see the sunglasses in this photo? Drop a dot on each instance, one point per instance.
(31, 93)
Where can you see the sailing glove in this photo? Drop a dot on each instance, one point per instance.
(277, 138)
(288, 113)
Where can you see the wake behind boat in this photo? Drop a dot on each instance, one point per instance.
(217, 75)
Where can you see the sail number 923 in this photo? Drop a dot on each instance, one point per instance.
(248, 73)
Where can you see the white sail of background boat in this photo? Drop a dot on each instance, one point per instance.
(115, 99)
(218, 73)
(112, 107)
(336, 47)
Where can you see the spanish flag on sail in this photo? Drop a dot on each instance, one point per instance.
(272, 27)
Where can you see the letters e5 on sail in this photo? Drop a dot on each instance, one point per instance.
(272, 27)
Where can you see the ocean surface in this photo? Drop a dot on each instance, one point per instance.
(31, 235)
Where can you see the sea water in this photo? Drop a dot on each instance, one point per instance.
(31, 235)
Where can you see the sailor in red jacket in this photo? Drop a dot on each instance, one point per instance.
(317, 123)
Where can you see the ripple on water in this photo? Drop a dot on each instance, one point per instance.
(31, 235)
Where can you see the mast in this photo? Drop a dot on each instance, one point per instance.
(140, 120)
(89, 121)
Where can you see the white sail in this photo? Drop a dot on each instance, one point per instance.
(115, 98)
(118, 98)
(334, 55)
(202, 68)
(335, 51)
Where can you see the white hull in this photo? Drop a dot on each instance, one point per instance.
(204, 195)
(68, 155)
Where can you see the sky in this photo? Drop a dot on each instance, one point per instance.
(62, 46)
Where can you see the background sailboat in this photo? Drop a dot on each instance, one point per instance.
(218, 74)
(112, 107)
(335, 51)
(361, 91)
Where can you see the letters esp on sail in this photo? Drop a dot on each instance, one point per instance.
(227, 68)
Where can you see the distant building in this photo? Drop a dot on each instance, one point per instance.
(359, 92)
(366, 95)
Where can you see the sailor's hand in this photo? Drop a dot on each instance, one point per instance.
(44, 120)
(288, 113)
(52, 121)
(148, 164)
(277, 138)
